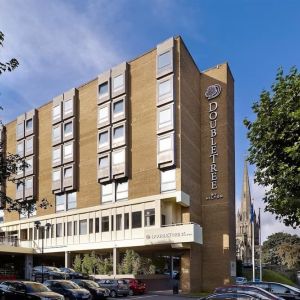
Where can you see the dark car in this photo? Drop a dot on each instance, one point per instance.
(48, 272)
(279, 289)
(246, 288)
(117, 287)
(225, 296)
(19, 290)
(135, 286)
(73, 274)
(70, 290)
(96, 291)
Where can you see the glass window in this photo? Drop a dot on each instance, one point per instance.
(83, 227)
(56, 175)
(59, 230)
(20, 187)
(56, 132)
(68, 172)
(118, 108)
(103, 139)
(29, 145)
(136, 218)
(126, 221)
(103, 162)
(112, 223)
(278, 289)
(20, 169)
(119, 133)
(103, 114)
(107, 192)
(28, 183)
(168, 180)
(71, 200)
(118, 82)
(56, 155)
(165, 117)
(75, 227)
(68, 106)
(150, 217)
(68, 128)
(97, 225)
(60, 202)
(69, 228)
(164, 59)
(122, 190)
(118, 157)
(91, 225)
(105, 224)
(165, 143)
(103, 90)
(29, 124)
(68, 151)
(29, 162)
(20, 128)
(118, 222)
(56, 112)
(164, 87)
(20, 149)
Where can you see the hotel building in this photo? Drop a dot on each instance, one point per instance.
(142, 158)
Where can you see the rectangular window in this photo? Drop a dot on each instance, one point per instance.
(91, 225)
(103, 114)
(56, 155)
(118, 222)
(105, 224)
(168, 180)
(103, 90)
(56, 112)
(60, 202)
(56, 175)
(136, 218)
(29, 124)
(165, 90)
(122, 190)
(20, 149)
(69, 228)
(103, 139)
(20, 129)
(68, 129)
(68, 151)
(149, 217)
(97, 225)
(112, 223)
(71, 200)
(164, 60)
(56, 133)
(126, 221)
(165, 143)
(163, 220)
(165, 117)
(107, 192)
(68, 106)
(68, 172)
(75, 227)
(28, 183)
(118, 108)
(83, 227)
(59, 230)
(119, 134)
(29, 145)
(103, 162)
(118, 83)
(29, 163)
(118, 157)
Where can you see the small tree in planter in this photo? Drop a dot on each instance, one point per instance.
(77, 263)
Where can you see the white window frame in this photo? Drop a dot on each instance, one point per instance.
(119, 87)
(120, 115)
(165, 69)
(68, 168)
(121, 190)
(55, 171)
(70, 110)
(58, 160)
(165, 126)
(104, 121)
(99, 89)
(29, 151)
(167, 96)
(119, 141)
(70, 156)
(68, 134)
(57, 116)
(105, 146)
(107, 192)
(56, 139)
(31, 128)
(168, 180)
(20, 152)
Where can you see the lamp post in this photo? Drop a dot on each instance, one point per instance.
(41, 229)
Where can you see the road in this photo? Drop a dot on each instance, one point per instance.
(158, 297)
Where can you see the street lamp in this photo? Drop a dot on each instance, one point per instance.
(41, 229)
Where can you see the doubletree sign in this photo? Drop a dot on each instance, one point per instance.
(212, 92)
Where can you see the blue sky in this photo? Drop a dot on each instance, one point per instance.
(62, 44)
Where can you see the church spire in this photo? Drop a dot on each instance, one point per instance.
(246, 195)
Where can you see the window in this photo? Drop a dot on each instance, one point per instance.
(68, 151)
(105, 224)
(279, 289)
(165, 117)
(29, 124)
(112, 223)
(168, 180)
(136, 219)
(75, 227)
(118, 83)
(165, 143)
(56, 155)
(25, 214)
(56, 133)
(103, 114)
(97, 225)
(118, 222)
(20, 169)
(103, 162)
(126, 221)
(68, 172)
(83, 227)
(103, 90)
(163, 219)
(164, 87)
(107, 192)
(28, 183)
(164, 60)
(118, 108)
(29, 162)
(122, 190)
(29, 145)
(71, 200)
(103, 139)
(150, 217)
(119, 134)
(56, 112)
(69, 228)
(60, 202)
(68, 129)
(20, 149)
(20, 187)
(91, 225)
(20, 129)
(56, 175)
(1, 216)
(165, 90)
(68, 106)
(118, 157)
(59, 230)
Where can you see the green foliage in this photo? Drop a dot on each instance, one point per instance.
(105, 266)
(282, 249)
(77, 263)
(275, 146)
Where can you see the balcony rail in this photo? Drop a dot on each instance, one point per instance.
(9, 241)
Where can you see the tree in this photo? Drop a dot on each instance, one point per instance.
(282, 249)
(275, 146)
(77, 263)
(11, 163)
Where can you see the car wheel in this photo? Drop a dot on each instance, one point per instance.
(131, 292)
(113, 293)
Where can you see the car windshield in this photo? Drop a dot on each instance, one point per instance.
(54, 269)
(36, 287)
(91, 284)
(292, 288)
(69, 285)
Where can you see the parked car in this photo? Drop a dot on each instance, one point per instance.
(226, 296)
(49, 273)
(69, 289)
(117, 287)
(19, 290)
(246, 288)
(135, 286)
(240, 280)
(73, 274)
(96, 291)
(285, 291)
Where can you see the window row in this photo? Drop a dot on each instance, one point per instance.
(63, 132)
(112, 112)
(63, 178)
(65, 201)
(112, 165)
(114, 191)
(63, 154)
(26, 147)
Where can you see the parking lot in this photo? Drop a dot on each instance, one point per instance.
(158, 297)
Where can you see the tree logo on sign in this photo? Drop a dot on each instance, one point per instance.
(213, 91)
